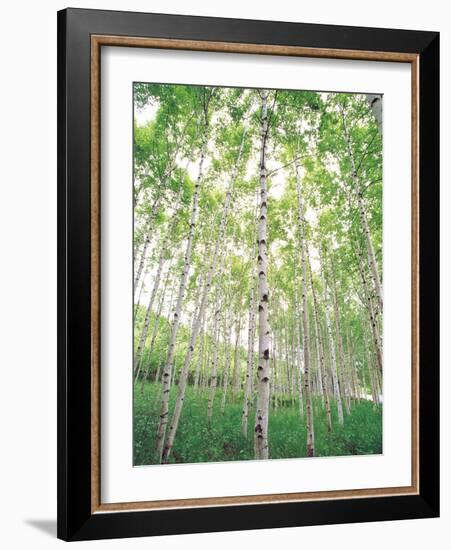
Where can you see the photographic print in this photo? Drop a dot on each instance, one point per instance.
(258, 284)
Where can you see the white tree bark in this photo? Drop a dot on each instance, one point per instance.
(369, 307)
(274, 376)
(250, 360)
(320, 346)
(236, 382)
(249, 381)
(227, 361)
(339, 339)
(263, 387)
(161, 262)
(214, 364)
(155, 332)
(162, 425)
(141, 288)
(370, 250)
(147, 241)
(145, 328)
(333, 358)
(305, 324)
(205, 294)
(373, 384)
(201, 353)
(363, 218)
(297, 362)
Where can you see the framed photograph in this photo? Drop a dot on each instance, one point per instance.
(248, 274)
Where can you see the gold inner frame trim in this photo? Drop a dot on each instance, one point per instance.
(97, 41)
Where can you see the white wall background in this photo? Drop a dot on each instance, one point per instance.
(28, 272)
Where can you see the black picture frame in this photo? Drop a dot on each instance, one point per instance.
(76, 521)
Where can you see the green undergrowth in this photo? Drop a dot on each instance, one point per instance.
(198, 441)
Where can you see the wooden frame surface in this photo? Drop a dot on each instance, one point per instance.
(97, 33)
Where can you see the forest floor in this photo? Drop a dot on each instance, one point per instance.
(197, 441)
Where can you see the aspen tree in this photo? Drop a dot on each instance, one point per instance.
(205, 294)
(305, 324)
(263, 388)
(167, 373)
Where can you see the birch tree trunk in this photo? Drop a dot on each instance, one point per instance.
(236, 382)
(305, 324)
(352, 366)
(201, 352)
(196, 327)
(163, 255)
(297, 331)
(363, 218)
(370, 310)
(145, 328)
(147, 241)
(141, 288)
(321, 364)
(214, 365)
(339, 339)
(333, 358)
(274, 368)
(161, 431)
(250, 360)
(263, 388)
(295, 375)
(226, 371)
(155, 332)
(370, 250)
(373, 385)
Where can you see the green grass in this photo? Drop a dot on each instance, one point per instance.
(196, 441)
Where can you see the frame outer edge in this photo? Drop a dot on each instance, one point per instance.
(429, 178)
(74, 521)
(62, 496)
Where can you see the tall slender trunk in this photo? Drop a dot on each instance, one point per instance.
(145, 328)
(339, 339)
(147, 240)
(196, 326)
(363, 217)
(214, 364)
(162, 259)
(352, 366)
(333, 358)
(369, 307)
(297, 331)
(161, 431)
(141, 288)
(372, 369)
(370, 250)
(161, 185)
(205, 373)
(227, 361)
(317, 377)
(236, 379)
(263, 387)
(250, 359)
(155, 332)
(320, 346)
(378, 376)
(373, 384)
(201, 352)
(305, 324)
(274, 368)
(295, 375)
